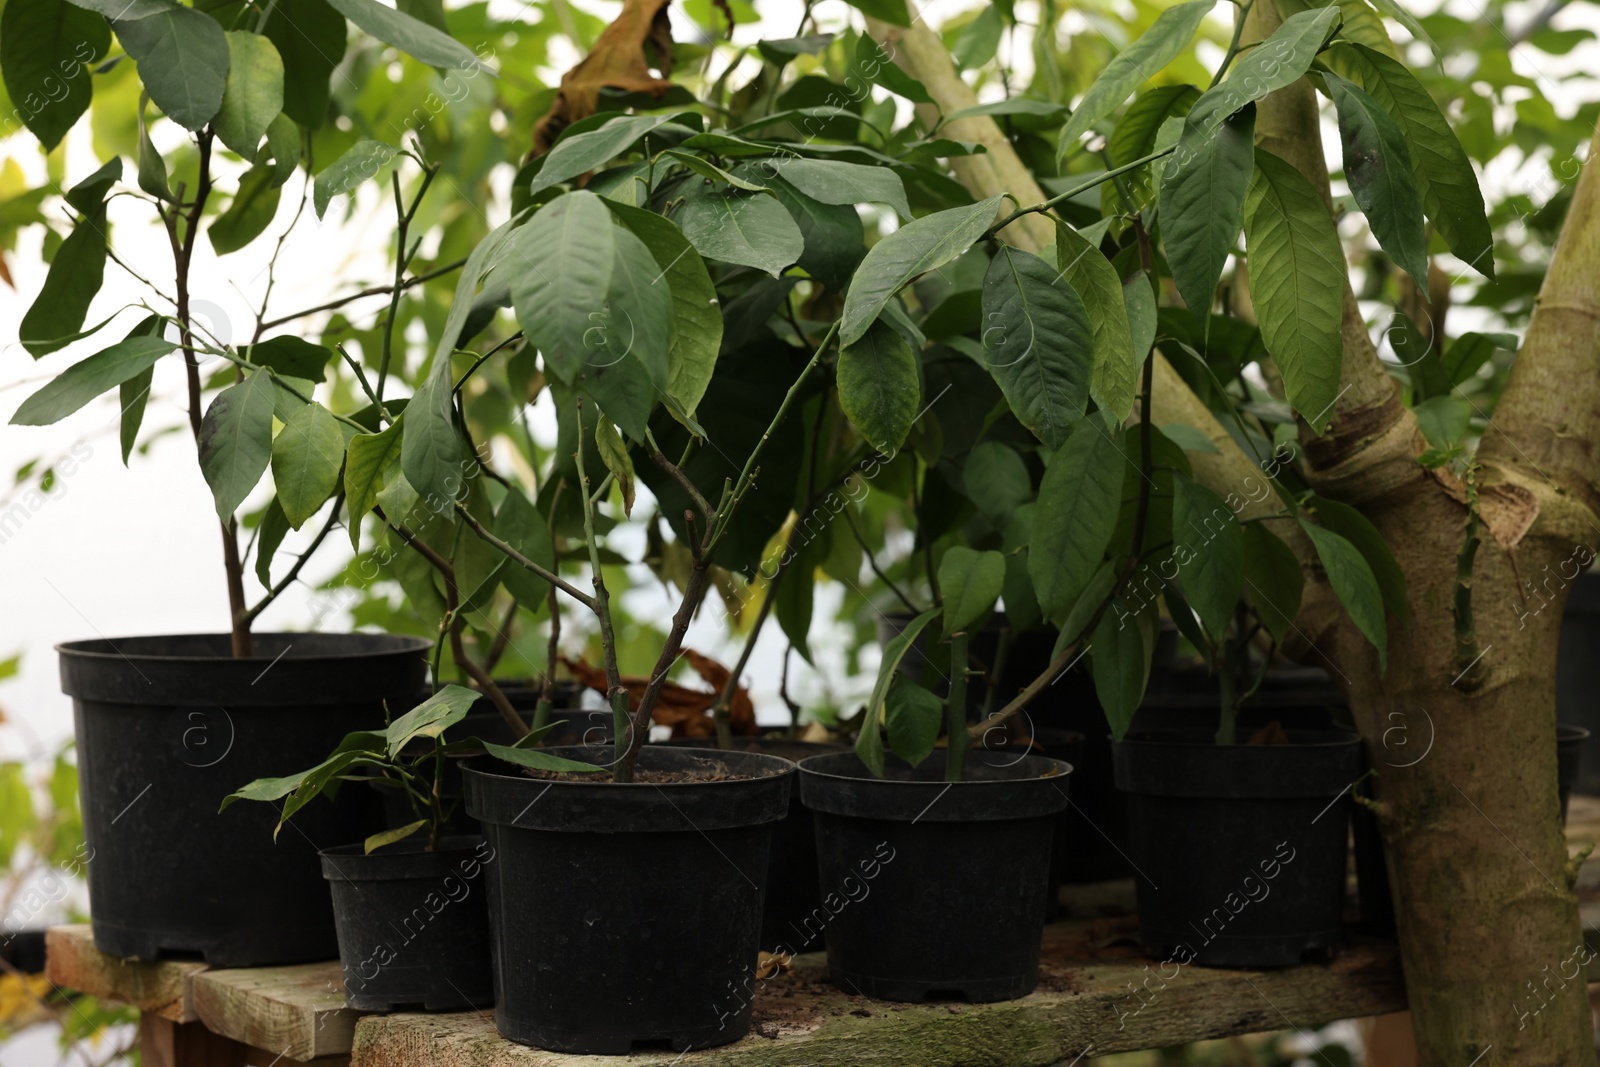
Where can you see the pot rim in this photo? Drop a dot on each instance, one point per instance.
(403, 644)
(606, 782)
(974, 753)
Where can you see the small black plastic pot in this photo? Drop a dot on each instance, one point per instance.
(1238, 850)
(1570, 741)
(932, 888)
(169, 726)
(413, 925)
(623, 914)
(792, 889)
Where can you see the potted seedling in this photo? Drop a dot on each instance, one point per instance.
(409, 901)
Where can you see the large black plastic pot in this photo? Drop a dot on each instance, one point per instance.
(932, 888)
(1238, 850)
(1578, 673)
(413, 925)
(792, 889)
(169, 726)
(627, 913)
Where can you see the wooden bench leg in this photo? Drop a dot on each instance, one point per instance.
(164, 1043)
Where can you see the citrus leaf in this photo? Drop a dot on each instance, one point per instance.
(912, 716)
(1113, 381)
(1076, 514)
(1037, 342)
(561, 265)
(1273, 580)
(970, 583)
(182, 55)
(88, 378)
(44, 45)
(236, 441)
(880, 388)
(869, 741)
(389, 837)
(253, 95)
(1353, 583)
(1202, 202)
(1377, 164)
(306, 457)
(1209, 550)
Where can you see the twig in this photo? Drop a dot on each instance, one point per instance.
(376, 290)
(294, 571)
(517, 557)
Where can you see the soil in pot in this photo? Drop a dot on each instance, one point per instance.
(931, 888)
(624, 914)
(413, 925)
(167, 727)
(792, 889)
(1238, 850)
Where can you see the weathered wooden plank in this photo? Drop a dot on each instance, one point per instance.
(296, 1012)
(1096, 995)
(164, 1043)
(159, 988)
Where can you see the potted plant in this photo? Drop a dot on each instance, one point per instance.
(409, 901)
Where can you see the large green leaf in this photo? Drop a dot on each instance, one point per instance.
(236, 441)
(1119, 659)
(360, 163)
(970, 582)
(1091, 275)
(561, 265)
(519, 524)
(372, 464)
(586, 151)
(1273, 580)
(412, 36)
(638, 319)
(1377, 164)
(1209, 550)
(251, 211)
(306, 457)
(834, 236)
(431, 718)
(87, 379)
(253, 95)
(430, 449)
(1076, 514)
(891, 11)
(1356, 528)
(1164, 41)
(1353, 583)
(696, 320)
(57, 313)
(1444, 175)
(830, 181)
(310, 37)
(748, 229)
(183, 61)
(1297, 282)
(912, 716)
(1202, 202)
(44, 45)
(916, 248)
(1037, 342)
(292, 356)
(869, 741)
(1276, 63)
(997, 482)
(880, 388)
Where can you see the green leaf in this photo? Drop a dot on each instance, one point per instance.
(412, 36)
(372, 464)
(495, 248)
(916, 248)
(979, 39)
(869, 742)
(253, 95)
(1202, 202)
(1273, 580)
(88, 378)
(1276, 63)
(152, 168)
(880, 388)
(183, 61)
(1440, 374)
(362, 162)
(891, 11)
(1076, 514)
(1037, 342)
(389, 837)
(614, 454)
(519, 524)
(539, 761)
(1356, 528)
(283, 146)
(1119, 659)
(1397, 11)
(637, 324)
(306, 457)
(274, 528)
(1113, 382)
(835, 240)
(1377, 164)
(696, 318)
(310, 37)
(1166, 39)
(1353, 583)
(1209, 550)
(970, 583)
(236, 441)
(996, 481)
(430, 450)
(431, 718)
(794, 599)
(586, 151)
(1297, 282)
(76, 272)
(125, 10)
(250, 213)
(748, 230)
(1444, 175)
(562, 263)
(1143, 318)
(1443, 420)
(291, 356)
(44, 45)
(878, 67)
(913, 716)
(829, 181)
(710, 171)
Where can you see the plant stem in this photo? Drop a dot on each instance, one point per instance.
(547, 698)
(294, 571)
(518, 558)
(956, 710)
(402, 259)
(623, 742)
(724, 701)
(1083, 187)
(375, 290)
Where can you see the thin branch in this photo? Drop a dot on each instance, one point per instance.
(294, 571)
(517, 557)
(376, 290)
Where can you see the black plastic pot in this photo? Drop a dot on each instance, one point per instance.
(1238, 850)
(167, 727)
(24, 950)
(792, 889)
(627, 913)
(932, 888)
(1570, 741)
(413, 925)
(1578, 672)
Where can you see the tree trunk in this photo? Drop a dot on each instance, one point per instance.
(1461, 727)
